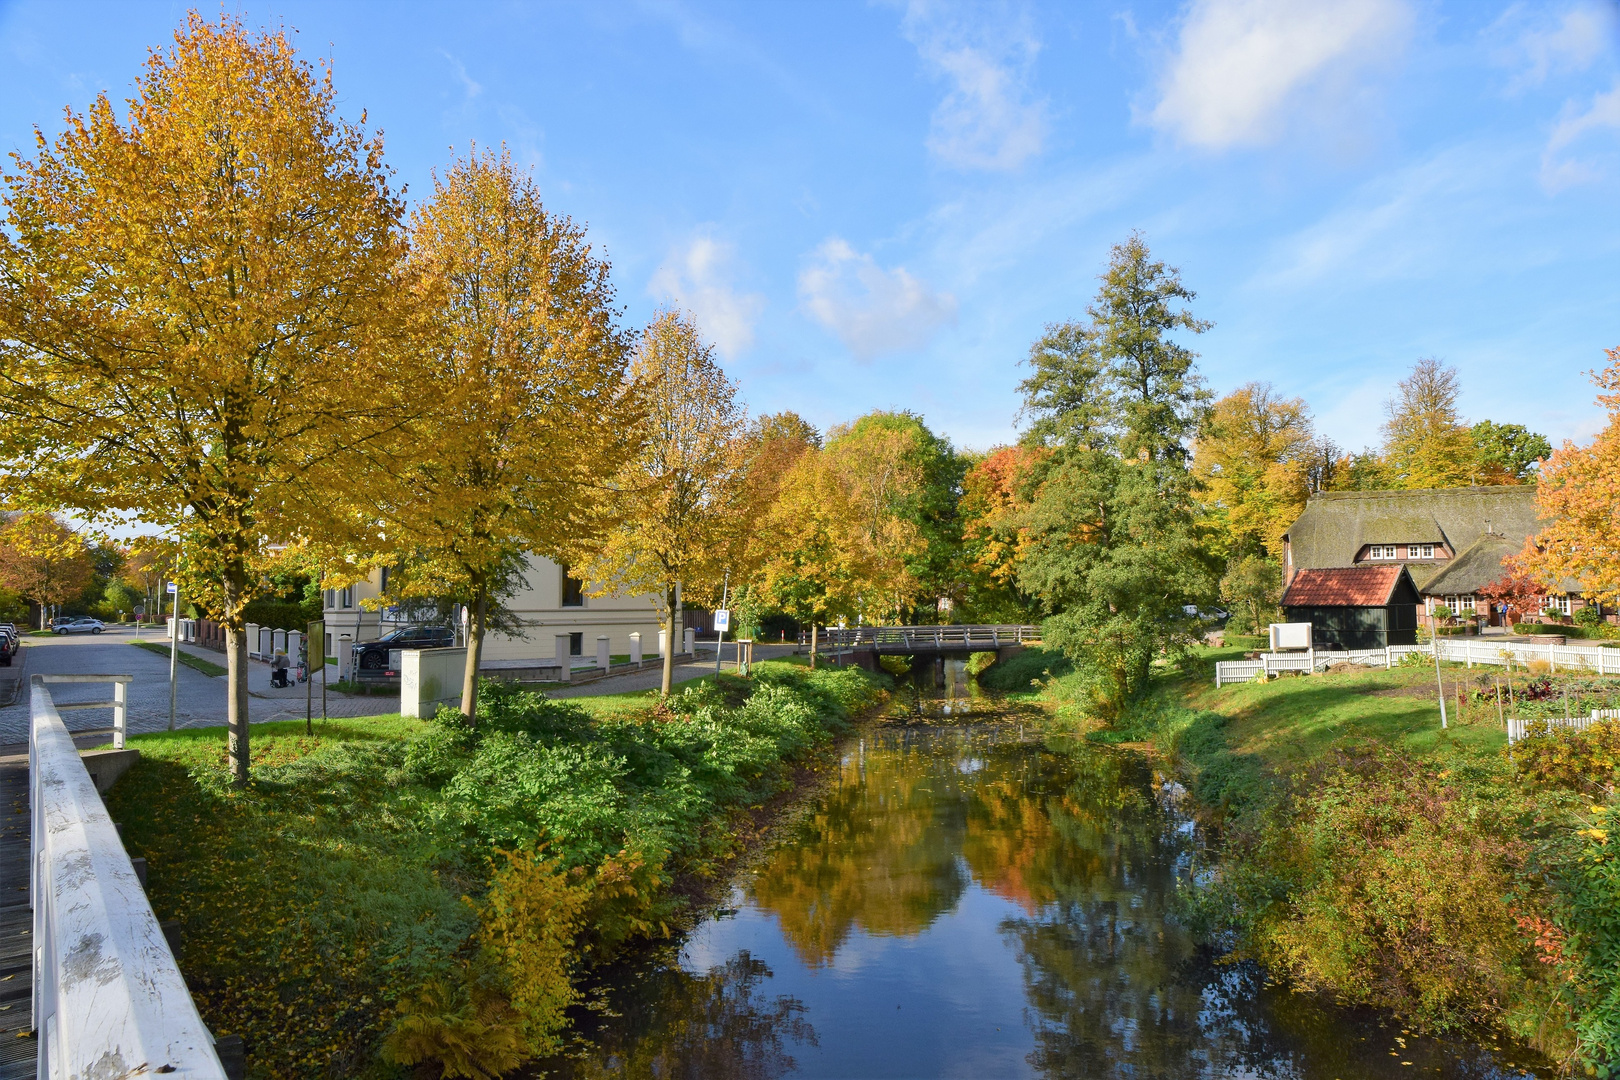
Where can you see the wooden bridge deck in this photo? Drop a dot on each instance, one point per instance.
(18, 1050)
(916, 640)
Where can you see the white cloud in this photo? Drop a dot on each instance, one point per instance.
(470, 88)
(696, 277)
(1559, 168)
(1567, 42)
(1242, 68)
(870, 309)
(987, 119)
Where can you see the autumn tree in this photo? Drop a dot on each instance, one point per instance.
(1426, 444)
(150, 563)
(1252, 459)
(43, 560)
(526, 416)
(684, 498)
(1578, 496)
(997, 491)
(194, 308)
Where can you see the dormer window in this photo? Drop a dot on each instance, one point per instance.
(1420, 551)
(1382, 551)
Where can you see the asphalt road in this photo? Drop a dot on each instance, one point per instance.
(200, 699)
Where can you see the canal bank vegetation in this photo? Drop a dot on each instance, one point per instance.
(392, 895)
(1368, 854)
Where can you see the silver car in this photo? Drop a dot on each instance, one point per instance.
(84, 624)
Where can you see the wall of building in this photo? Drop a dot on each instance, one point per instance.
(540, 605)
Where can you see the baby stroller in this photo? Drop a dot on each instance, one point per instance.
(278, 671)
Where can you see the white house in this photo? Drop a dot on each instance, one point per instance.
(551, 603)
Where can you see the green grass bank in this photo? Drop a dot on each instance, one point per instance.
(392, 897)
(1365, 853)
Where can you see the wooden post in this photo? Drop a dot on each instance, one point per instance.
(1499, 718)
(815, 629)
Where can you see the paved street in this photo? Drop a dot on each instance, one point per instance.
(200, 700)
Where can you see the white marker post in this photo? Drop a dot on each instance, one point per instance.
(174, 650)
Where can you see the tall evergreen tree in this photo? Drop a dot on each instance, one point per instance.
(1113, 549)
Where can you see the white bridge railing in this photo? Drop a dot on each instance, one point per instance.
(901, 638)
(1469, 651)
(108, 997)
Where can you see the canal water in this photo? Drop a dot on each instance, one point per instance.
(962, 902)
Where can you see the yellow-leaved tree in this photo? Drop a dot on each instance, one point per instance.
(526, 415)
(196, 307)
(1578, 495)
(683, 513)
(1426, 444)
(1252, 458)
(42, 560)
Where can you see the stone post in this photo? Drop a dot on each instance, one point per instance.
(604, 654)
(635, 648)
(345, 658)
(689, 640)
(564, 661)
(663, 642)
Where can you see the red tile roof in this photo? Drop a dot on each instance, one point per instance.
(1350, 586)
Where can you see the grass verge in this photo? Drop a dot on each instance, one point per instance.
(195, 663)
(390, 894)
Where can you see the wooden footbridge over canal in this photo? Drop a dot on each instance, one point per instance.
(862, 645)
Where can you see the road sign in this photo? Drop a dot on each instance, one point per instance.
(140, 609)
(172, 588)
(722, 621)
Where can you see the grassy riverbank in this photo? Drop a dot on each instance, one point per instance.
(1373, 856)
(393, 892)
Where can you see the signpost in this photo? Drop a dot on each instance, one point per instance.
(722, 623)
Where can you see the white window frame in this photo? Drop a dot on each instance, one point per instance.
(1381, 551)
(1427, 551)
(1466, 604)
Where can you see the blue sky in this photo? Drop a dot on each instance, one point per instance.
(880, 205)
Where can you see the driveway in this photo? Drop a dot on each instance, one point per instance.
(200, 699)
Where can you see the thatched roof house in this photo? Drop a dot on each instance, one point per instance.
(1450, 540)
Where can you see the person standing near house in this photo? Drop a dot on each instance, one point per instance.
(278, 669)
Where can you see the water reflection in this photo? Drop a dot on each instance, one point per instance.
(963, 903)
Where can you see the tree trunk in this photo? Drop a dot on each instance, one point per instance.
(475, 652)
(236, 699)
(669, 641)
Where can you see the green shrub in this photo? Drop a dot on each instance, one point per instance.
(1026, 671)
(1588, 914)
(1387, 881)
(1246, 641)
(282, 614)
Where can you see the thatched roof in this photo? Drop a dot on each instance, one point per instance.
(1335, 525)
(1473, 568)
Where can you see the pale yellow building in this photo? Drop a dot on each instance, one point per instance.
(550, 604)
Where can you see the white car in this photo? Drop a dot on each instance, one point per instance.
(82, 625)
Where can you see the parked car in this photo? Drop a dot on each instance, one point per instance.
(371, 657)
(10, 642)
(84, 624)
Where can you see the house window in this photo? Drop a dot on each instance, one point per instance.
(1559, 604)
(1420, 551)
(1382, 551)
(573, 592)
(346, 597)
(1465, 604)
(330, 600)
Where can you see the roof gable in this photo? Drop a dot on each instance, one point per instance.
(1349, 586)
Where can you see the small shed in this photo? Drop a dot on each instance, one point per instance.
(1355, 607)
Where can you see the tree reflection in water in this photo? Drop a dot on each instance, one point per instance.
(720, 1025)
(1085, 863)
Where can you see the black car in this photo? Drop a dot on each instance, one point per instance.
(371, 657)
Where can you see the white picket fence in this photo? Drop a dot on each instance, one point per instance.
(1468, 651)
(1520, 729)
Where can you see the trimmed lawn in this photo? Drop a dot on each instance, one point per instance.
(195, 663)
